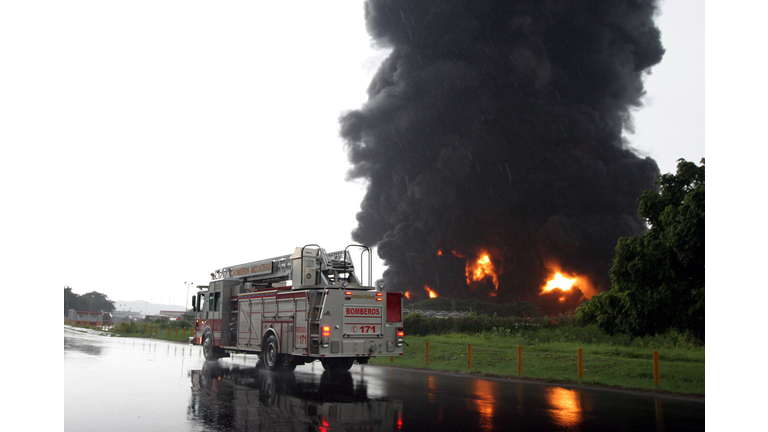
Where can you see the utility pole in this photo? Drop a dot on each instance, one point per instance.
(186, 302)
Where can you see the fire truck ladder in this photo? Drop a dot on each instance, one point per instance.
(309, 265)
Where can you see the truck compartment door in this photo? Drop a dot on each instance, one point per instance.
(300, 333)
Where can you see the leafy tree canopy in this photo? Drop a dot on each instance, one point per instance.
(92, 301)
(658, 278)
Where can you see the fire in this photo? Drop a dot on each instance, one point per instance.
(560, 282)
(408, 295)
(481, 269)
(565, 282)
(454, 252)
(431, 293)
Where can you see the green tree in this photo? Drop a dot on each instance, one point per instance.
(658, 278)
(92, 301)
(70, 300)
(96, 301)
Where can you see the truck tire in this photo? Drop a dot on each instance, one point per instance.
(286, 366)
(270, 353)
(341, 364)
(209, 351)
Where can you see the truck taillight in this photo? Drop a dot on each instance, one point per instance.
(400, 335)
(326, 336)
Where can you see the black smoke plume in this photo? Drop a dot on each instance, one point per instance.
(497, 126)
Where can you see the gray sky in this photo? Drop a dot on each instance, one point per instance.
(146, 144)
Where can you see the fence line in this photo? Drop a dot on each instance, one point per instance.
(579, 362)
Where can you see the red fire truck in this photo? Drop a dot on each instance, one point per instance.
(298, 308)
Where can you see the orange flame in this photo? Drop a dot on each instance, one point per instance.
(565, 281)
(560, 282)
(431, 293)
(481, 269)
(408, 295)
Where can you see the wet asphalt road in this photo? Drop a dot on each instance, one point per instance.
(127, 384)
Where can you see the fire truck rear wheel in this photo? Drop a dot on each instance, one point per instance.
(287, 367)
(337, 364)
(270, 353)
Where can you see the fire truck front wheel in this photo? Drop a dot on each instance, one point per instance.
(209, 350)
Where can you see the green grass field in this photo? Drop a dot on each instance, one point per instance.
(681, 368)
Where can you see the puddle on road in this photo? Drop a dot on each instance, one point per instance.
(146, 384)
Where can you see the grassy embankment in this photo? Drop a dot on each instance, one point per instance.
(166, 332)
(550, 354)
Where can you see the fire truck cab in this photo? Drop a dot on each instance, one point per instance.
(298, 308)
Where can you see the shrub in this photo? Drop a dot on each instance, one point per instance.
(160, 322)
(542, 330)
(184, 324)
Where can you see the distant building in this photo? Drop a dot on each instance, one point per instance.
(173, 315)
(126, 316)
(89, 317)
(166, 315)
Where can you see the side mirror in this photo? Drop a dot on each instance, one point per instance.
(194, 308)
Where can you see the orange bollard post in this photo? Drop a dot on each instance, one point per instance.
(519, 359)
(581, 363)
(177, 332)
(656, 371)
(391, 359)
(469, 357)
(427, 354)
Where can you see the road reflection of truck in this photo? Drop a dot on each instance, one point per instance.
(236, 397)
(295, 309)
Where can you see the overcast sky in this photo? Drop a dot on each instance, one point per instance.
(148, 143)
